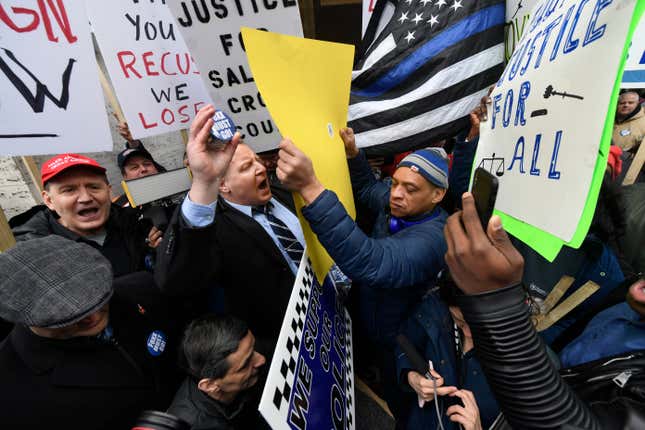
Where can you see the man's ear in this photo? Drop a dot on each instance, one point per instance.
(438, 194)
(208, 385)
(223, 187)
(47, 199)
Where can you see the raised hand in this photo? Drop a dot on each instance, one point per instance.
(480, 261)
(296, 171)
(347, 134)
(208, 161)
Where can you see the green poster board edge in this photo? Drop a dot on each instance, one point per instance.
(545, 243)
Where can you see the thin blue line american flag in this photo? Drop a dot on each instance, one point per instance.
(424, 72)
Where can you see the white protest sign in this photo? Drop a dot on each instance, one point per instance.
(310, 384)
(517, 16)
(155, 79)
(50, 97)
(548, 111)
(634, 76)
(212, 32)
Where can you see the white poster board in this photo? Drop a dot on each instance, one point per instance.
(634, 76)
(548, 113)
(50, 97)
(154, 77)
(310, 384)
(212, 32)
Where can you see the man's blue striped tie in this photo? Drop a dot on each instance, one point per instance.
(286, 238)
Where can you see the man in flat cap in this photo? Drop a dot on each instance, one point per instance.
(84, 352)
(396, 266)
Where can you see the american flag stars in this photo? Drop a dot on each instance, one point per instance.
(422, 15)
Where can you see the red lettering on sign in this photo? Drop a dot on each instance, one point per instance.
(57, 10)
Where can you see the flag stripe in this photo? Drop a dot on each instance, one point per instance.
(420, 123)
(384, 48)
(432, 102)
(420, 140)
(444, 78)
(457, 52)
(471, 25)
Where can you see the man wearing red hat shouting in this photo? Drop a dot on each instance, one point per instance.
(77, 194)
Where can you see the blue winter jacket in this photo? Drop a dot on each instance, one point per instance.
(392, 271)
(430, 330)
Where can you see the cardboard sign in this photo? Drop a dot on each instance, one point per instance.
(634, 75)
(154, 76)
(50, 97)
(212, 32)
(311, 379)
(312, 78)
(546, 124)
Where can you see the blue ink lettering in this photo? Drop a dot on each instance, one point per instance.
(547, 33)
(573, 44)
(525, 89)
(530, 54)
(553, 173)
(519, 157)
(558, 40)
(496, 99)
(508, 108)
(536, 152)
(592, 32)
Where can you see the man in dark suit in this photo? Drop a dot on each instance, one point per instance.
(232, 231)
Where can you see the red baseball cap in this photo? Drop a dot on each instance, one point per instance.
(60, 163)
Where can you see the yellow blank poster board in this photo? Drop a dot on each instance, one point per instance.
(305, 85)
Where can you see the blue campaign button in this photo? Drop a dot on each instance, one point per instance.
(156, 343)
(223, 127)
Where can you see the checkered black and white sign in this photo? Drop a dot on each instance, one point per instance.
(311, 381)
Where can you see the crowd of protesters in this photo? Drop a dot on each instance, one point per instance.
(108, 316)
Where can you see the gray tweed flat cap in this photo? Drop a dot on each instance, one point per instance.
(52, 282)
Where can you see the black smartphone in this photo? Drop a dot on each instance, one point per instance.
(484, 191)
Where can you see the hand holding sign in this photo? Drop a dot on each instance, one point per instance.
(208, 162)
(296, 172)
(349, 140)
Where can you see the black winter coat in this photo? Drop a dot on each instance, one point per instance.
(84, 383)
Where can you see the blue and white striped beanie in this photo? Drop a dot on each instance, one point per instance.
(431, 163)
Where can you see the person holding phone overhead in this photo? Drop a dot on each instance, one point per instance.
(393, 268)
